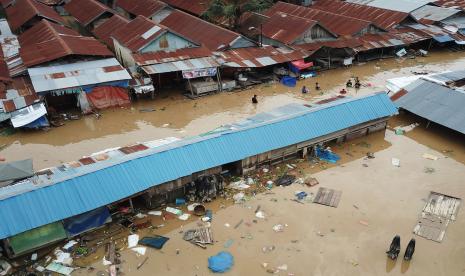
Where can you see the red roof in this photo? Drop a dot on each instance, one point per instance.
(4, 72)
(286, 28)
(24, 10)
(86, 11)
(200, 31)
(146, 8)
(458, 4)
(51, 2)
(25, 90)
(105, 30)
(138, 33)
(258, 56)
(338, 24)
(162, 57)
(47, 42)
(381, 17)
(6, 3)
(196, 7)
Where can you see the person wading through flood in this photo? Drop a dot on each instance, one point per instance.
(254, 99)
(317, 86)
(305, 90)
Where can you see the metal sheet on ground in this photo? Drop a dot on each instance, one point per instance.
(438, 212)
(328, 197)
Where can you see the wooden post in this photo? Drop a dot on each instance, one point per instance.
(190, 85)
(130, 204)
(218, 76)
(427, 124)
(430, 42)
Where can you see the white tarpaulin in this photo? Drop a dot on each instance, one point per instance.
(27, 115)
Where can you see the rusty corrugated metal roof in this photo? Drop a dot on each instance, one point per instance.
(187, 64)
(47, 42)
(138, 33)
(196, 7)
(286, 28)
(18, 94)
(6, 3)
(146, 8)
(105, 30)
(458, 4)
(257, 56)
(86, 11)
(4, 72)
(24, 10)
(336, 23)
(381, 17)
(162, 57)
(335, 44)
(52, 2)
(200, 31)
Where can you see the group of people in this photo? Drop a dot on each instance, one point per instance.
(305, 90)
(356, 84)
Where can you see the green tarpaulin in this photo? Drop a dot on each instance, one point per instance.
(37, 237)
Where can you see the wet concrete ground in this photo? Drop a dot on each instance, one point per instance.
(378, 201)
(178, 116)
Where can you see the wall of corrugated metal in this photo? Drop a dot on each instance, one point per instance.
(90, 191)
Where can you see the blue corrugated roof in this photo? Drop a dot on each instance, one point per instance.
(88, 191)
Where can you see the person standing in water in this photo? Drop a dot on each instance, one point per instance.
(254, 99)
(304, 90)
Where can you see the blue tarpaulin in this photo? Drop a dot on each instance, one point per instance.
(84, 222)
(155, 242)
(41, 122)
(326, 155)
(221, 262)
(289, 81)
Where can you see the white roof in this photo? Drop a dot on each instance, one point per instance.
(76, 74)
(394, 5)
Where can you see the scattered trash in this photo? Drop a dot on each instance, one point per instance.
(228, 243)
(354, 263)
(139, 250)
(184, 216)
(260, 214)
(227, 225)
(355, 206)
(328, 197)
(221, 262)
(239, 197)
(34, 257)
(155, 213)
(300, 195)
(278, 228)
(311, 181)
(320, 234)
(165, 125)
(133, 240)
(239, 185)
(269, 184)
(209, 214)
(192, 206)
(365, 165)
(140, 215)
(430, 156)
(142, 263)
(199, 237)
(267, 249)
(370, 155)
(180, 201)
(399, 131)
(172, 210)
(59, 268)
(395, 162)
(282, 267)
(429, 170)
(205, 219)
(69, 244)
(105, 262)
(63, 257)
(200, 210)
(362, 222)
(265, 170)
(285, 180)
(238, 224)
(155, 241)
(5, 267)
(326, 155)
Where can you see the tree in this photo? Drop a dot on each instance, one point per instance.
(232, 10)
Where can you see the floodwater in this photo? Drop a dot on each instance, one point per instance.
(178, 116)
(378, 201)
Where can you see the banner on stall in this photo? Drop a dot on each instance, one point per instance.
(197, 73)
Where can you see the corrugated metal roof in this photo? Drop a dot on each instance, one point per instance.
(286, 28)
(24, 10)
(10, 48)
(76, 74)
(459, 4)
(437, 103)
(147, 8)
(162, 57)
(45, 42)
(105, 30)
(258, 56)
(336, 23)
(196, 7)
(75, 190)
(52, 2)
(86, 11)
(406, 6)
(434, 13)
(381, 17)
(446, 78)
(19, 94)
(138, 33)
(187, 64)
(200, 31)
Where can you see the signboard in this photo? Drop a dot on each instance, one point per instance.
(197, 73)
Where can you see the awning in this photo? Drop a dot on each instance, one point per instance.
(27, 115)
(87, 221)
(183, 65)
(443, 38)
(16, 170)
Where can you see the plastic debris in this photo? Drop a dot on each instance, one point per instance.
(267, 249)
(142, 263)
(228, 243)
(260, 214)
(59, 268)
(139, 250)
(429, 170)
(285, 180)
(395, 162)
(300, 195)
(105, 262)
(180, 201)
(311, 181)
(430, 156)
(278, 228)
(265, 170)
(184, 216)
(221, 262)
(155, 213)
(269, 184)
(172, 210)
(133, 240)
(192, 206)
(34, 257)
(69, 244)
(155, 241)
(282, 267)
(62, 257)
(5, 267)
(362, 222)
(239, 197)
(239, 185)
(140, 215)
(227, 225)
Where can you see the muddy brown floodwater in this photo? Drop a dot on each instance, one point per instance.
(178, 116)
